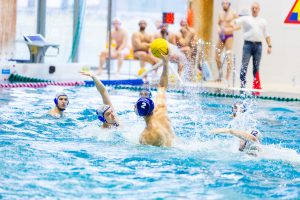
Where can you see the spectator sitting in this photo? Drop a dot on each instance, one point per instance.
(186, 41)
(171, 38)
(140, 43)
(120, 47)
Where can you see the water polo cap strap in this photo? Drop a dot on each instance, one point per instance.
(101, 115)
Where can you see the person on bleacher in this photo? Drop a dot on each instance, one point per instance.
(120, 48)
(171, 38)
(165, 34)
(186, 41)
(140, 43)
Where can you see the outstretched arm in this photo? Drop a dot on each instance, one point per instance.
(238, 133)
(164, 76)
(163, 84)
(100, 87)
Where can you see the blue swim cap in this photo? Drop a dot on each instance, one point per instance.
(59, 94)
(144, 106)
(101, 111)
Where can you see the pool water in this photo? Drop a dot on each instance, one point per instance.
(73, 158)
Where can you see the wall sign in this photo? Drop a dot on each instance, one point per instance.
(294, 15)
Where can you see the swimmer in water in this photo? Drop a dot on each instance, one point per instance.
(105, 112)
(250, 140)
(158, 130)
(61, 101)
(145, 93)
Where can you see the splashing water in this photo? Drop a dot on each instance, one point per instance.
(178, 57)
(45, 157)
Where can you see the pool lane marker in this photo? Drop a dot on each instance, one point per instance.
(130, 84)
(213, 94)
(41, 84)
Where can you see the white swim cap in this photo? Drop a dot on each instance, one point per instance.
(101, 111)
(59, 94)
(238, 107)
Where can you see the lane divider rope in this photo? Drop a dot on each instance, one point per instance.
(131, 84)
(213, 94)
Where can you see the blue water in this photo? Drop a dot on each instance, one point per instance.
(72, 158)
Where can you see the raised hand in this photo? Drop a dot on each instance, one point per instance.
(87, 73)
(165, 58)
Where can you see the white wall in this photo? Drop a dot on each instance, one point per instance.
(283, 66)
(63, 72)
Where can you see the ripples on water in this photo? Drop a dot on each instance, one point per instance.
(42, 157)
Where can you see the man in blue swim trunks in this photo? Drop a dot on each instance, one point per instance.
(158, 130)
(225, 32)
(61, 101)
(250, 140)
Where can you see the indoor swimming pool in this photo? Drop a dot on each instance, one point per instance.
(73, 158)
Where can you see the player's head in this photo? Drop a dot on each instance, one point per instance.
(61, 101)
(164, 28)
(183, 23)
(142, 25)
(144, 107)
(146, 93)
(238, 108)
(226, 5)
(116, 22)
(183, 26)
(106, 114)
(255, 8)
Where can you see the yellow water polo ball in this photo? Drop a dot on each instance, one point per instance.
(159, 47)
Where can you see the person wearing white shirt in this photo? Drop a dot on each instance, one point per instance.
(255, 31)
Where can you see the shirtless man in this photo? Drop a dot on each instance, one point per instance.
(165, 34)
(186, 42)
(186, 38)
(225, 30)
(61, 101)
(120, 38)
(140, 43)
(105, 112)
(158, 130)
(171, 38)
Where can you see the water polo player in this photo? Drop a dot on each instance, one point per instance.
(158, 130)
(105, 112)
(61, 101)
(250, 140)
